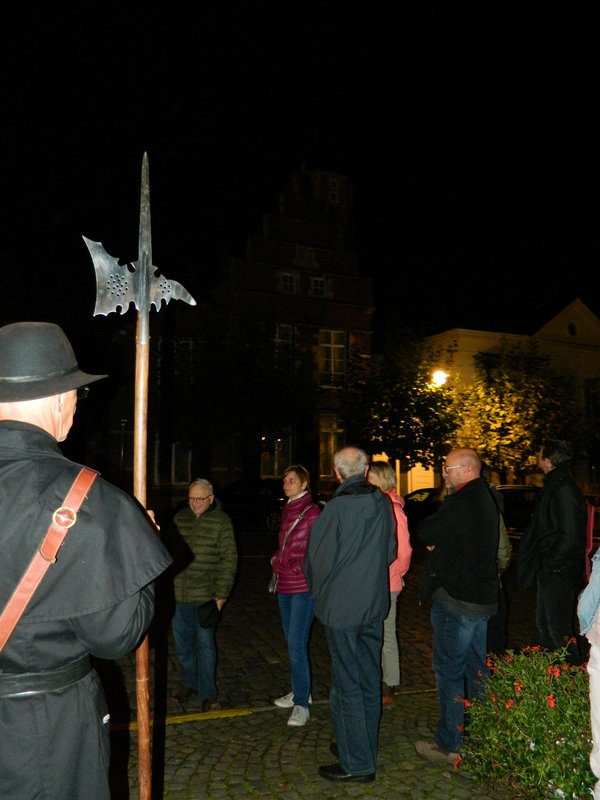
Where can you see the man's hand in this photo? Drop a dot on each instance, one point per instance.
(152, 518)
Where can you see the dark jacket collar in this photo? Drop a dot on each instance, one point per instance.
(23, 437)
(356, 484)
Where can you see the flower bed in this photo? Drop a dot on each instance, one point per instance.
(532, 733)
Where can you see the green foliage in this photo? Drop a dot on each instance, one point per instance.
(391, 404)
(515, 402)
(532, 732)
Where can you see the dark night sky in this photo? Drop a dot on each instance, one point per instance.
(471, 137)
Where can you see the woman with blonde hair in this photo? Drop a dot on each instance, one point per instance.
(383, 476)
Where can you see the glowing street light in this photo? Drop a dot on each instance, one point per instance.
(439, 377)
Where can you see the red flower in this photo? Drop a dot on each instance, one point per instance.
(510, 702)
(518, 687)
(551, 700)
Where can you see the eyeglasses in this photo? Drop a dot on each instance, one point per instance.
(453, 466)
(199, 499)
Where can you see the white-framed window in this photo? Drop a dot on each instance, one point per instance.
(318, 286)
(288, 283)
(332, 357)
(331, 439)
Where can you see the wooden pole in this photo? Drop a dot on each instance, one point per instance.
(142, 661)
(140, 450)
(115, 289)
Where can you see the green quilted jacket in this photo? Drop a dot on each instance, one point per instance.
(204, 554)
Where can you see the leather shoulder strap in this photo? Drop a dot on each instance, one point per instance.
(63, 518)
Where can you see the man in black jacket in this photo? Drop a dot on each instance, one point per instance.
(96, 598)
(350, 547)
(552, 549)
(462, 537)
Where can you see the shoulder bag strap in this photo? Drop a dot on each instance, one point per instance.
(296, 521)
(62, 519)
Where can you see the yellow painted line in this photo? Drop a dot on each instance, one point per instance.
(178, 719)
(229, 713)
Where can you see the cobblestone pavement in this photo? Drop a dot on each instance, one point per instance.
(247, 750)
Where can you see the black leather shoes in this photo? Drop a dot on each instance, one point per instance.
(335, 772)
(183, 695)
(211, 705)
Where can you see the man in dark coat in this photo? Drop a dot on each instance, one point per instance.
(462, 537)
(96, 598)
(552, 549)
(351, 545)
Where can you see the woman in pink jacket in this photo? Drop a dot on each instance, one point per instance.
(296, 606)
(382, 475)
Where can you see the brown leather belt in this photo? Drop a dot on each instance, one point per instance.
(25, 684)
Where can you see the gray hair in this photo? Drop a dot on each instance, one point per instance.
(202, 482)
(350, 461)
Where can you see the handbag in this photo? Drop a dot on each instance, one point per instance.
(208, 614)
(272, 585)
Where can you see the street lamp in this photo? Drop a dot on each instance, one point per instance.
(439, 377)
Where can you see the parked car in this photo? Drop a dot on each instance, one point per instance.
(519, 501)
(421, 503)
(257, 504)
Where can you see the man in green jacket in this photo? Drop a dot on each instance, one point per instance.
(203, 546)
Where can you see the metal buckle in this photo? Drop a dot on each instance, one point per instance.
(64, 517)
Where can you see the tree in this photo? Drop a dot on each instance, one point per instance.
(515, 402)
(392, 404)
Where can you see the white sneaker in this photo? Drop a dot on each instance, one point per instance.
(287, 701)
(300, 716)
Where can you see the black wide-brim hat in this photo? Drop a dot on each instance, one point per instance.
(37, 360)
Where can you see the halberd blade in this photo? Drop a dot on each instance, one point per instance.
(117, 285)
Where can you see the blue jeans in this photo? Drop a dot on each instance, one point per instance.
(196, 651)
(297, 614)
(459, 663)
(355, 698)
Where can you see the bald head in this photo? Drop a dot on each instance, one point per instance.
(462, 465)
